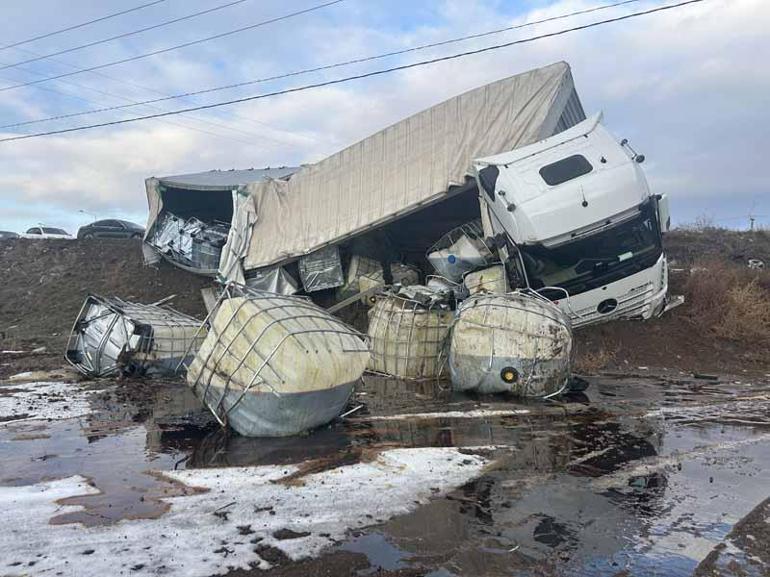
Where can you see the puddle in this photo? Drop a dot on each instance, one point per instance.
(634, 476)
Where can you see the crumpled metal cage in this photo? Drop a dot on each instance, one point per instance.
(191, 241)
(460, 251)
(256, 341)
(366, 274)
(112, 336)
(408, 337)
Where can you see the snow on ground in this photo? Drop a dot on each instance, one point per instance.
(474, 414)
(42, 400)
(207, 533)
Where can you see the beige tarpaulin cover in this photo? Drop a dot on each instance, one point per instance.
(406, 165)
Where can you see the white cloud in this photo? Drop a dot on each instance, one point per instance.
(684, 85)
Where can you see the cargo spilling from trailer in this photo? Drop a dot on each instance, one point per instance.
(563, 205)
(191, 216)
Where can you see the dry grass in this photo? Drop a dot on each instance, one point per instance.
(730, 301)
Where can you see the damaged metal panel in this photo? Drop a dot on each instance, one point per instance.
(518, 343)
(112, 336)
(275, 365)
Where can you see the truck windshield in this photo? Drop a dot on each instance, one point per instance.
(593, 261)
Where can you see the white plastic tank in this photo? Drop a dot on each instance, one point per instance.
(275, 365)
(517, 342)
(407, 338)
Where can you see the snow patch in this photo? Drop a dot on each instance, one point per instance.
(209, 533)
(476, 414)
(42, 400)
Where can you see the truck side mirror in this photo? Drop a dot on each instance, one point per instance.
(664, 215)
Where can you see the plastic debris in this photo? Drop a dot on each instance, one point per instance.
(321, 269)
(459, 251)
(490, 280)
(191, 242)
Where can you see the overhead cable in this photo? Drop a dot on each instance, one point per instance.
(321, 68)
(81, 25)
(175, 47)
(357, 76)
(124, 34)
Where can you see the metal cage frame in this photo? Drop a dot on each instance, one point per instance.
(325, 324)
(558, 316)
(157, 326)
(415, 309)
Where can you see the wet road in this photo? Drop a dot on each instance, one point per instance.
(637, 476)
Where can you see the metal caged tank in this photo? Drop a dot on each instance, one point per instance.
(518, 343)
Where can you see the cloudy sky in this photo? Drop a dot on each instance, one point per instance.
(689, 87)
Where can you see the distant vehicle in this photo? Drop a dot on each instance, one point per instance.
(111, 228)
(6, 234)
(46, 233)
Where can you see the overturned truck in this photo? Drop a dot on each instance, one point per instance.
(563, 204)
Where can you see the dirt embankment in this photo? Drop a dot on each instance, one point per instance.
(45, 283)
(724, 327)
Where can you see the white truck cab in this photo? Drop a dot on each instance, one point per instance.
(580, 223)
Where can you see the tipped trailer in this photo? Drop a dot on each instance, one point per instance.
(390, 196)
(564, 206)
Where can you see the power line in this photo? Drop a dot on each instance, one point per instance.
(176, 47)
(81, 25)
(133, 102)
(358, 76)
(124, 34)
(325, 67)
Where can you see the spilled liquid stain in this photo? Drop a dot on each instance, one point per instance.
(634, 476)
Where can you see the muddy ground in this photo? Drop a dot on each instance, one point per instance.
(662, 466)
(45, 284)
(636, 476)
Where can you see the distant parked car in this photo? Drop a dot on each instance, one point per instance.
(111, 229)
(6, 234)
(46, 233)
